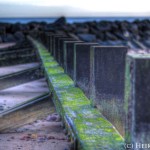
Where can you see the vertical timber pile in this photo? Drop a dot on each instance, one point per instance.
(69, 57)
(61, 49)
(56, 46)
(107, 82)
(82, 65)
(137, 100)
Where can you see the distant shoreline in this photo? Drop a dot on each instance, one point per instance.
(69, 19)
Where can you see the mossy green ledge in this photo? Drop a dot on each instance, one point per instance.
(92, 130)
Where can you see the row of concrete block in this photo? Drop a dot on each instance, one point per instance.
(116, 80)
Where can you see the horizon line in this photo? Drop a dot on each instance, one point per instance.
(84, 16)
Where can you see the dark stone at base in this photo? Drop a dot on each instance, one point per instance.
(19, 36)
(10, 38)
(60, 21)
(87, 37)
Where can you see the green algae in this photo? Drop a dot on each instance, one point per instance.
(100, 142)
(102, 145)
(98, 137)
(91, 126)
(61, 81)
(82, 112)
(73, 97)
(47, 58)
(44, 54)
(54, 70)
(50, 64)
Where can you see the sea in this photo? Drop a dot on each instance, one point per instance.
(70, 19)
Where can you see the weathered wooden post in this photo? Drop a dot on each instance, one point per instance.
(48, 39)
(107, 82)
(54, 42)
(50, 42)
(42, 36)
(137, 101)
(82, 65)
(61, 49)
(56, 49)
(2, 30)
(45, 38)
(69, 57)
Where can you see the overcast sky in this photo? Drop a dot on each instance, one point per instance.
(49, 8)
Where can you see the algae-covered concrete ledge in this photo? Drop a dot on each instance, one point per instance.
(91, 129)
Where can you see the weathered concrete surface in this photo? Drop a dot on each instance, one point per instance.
(19, 94)
(6, 45)
(21, 77)
(6, 70)
(17, 57)
(137, 99)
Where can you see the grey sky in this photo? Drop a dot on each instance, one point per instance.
(49, 8)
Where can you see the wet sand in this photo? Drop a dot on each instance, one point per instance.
(44, 134)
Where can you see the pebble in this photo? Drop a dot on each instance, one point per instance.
(12, 137)
(53, 117)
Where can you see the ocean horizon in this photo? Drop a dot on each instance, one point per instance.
(70, 19)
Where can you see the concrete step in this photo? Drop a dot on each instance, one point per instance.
(17, 57)
(6, 45)
(15, 52)
(3, 50)
(19, 74)
(26, 112)
(11, 97)
(23, 44)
